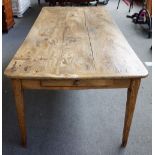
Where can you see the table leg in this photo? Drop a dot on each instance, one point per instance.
(18, 93)
(130, 106)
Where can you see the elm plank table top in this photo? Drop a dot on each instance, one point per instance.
(66, 43)
(75, 48)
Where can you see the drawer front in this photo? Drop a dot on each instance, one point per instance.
(49, 83)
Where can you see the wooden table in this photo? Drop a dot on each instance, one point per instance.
(75, 48)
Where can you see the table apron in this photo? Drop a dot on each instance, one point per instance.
(75, 84)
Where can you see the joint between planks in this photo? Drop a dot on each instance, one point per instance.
(92, 53)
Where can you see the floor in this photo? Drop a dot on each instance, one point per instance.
(87, 122)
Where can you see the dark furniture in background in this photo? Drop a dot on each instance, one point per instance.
(7, 15)
(69, 2)
(131, 4)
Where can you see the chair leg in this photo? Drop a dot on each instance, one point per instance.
(118, 3)
(97, 1)
(38, 2)
(131, 5)
(150, 27)
(52, 2)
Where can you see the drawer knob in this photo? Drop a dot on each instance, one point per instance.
(76, 82)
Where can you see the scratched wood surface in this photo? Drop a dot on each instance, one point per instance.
(74, 42)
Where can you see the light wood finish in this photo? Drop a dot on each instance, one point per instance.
(74, 84)
(130, 106)
(75, 43)
(75, 48)
(18, 93)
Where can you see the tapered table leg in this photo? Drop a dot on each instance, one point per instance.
(18, 93)
(130, 106)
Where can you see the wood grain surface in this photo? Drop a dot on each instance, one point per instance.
(75, 43)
